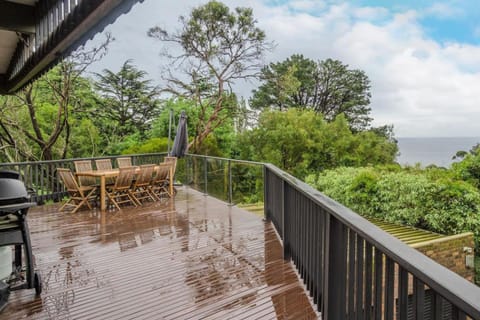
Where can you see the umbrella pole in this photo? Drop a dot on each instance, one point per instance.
(169, 130)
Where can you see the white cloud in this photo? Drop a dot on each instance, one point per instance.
(370, 13)
(444, 10)
(476, 32)
(306, 5)
(423, 87)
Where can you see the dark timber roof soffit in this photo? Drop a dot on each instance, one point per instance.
(35, 34)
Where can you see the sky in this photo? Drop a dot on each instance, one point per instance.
(422, 57)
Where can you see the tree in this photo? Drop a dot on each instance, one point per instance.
(218, 47)
(328, 87)
(220, 140)
(36, 121)
(302, 142)
(468, 169)
(128, 103)
(86, 140)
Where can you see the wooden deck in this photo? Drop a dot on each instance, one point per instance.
(189, 258)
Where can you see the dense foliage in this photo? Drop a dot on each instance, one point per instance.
(127, 102)
(469, 168)
(430, 199)
(302, 142)
(39, 122)
(328, 87)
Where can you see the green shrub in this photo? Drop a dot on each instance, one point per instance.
(362, 189)
(453, 207)
(301, 142)
(468, 169)
(426, 199)
(151, 145)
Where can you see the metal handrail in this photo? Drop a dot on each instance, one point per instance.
(41, 179)
(229, 162)
(8, 164)
(226, 159)
(463, 295)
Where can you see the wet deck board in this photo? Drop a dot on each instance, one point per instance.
(192, 258)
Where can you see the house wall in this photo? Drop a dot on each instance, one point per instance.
(451, 252)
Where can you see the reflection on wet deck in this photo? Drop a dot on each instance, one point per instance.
(194, 257)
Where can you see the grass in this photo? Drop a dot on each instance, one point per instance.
(256, 208)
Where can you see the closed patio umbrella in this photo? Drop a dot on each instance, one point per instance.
(180, 143)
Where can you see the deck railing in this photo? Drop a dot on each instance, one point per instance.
(41, 179)
(234, 181)
(351, 268)
(355, 270)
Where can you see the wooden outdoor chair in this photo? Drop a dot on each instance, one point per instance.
(124, 162)
(82, 166)
(141, 186)
(160, 182)
(105, 164)
(79, 195)
(119, 192)
(173, 162)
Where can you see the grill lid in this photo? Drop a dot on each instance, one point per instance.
(12, 191)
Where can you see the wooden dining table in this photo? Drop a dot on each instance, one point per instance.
(103, 174)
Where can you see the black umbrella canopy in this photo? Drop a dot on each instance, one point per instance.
(180, 143)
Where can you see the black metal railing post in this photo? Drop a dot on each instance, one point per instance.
(285, 223)
(336, 271)
(230, 182)
(205, 175)
(187, 162)
(266, 186)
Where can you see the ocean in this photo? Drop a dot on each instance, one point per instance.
(437, 151)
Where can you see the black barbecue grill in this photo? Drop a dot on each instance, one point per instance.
(14, 205)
